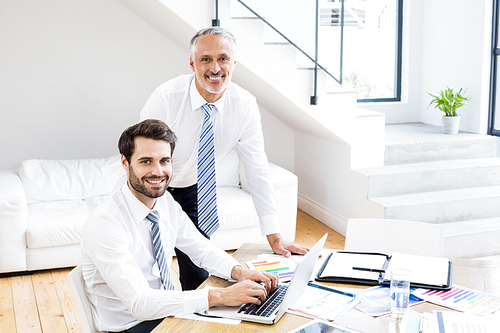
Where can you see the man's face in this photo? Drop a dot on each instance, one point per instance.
(149, 169)
(212, 62)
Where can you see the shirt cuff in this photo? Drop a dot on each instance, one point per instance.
(228, 268)
(195, 300)
(269, 224)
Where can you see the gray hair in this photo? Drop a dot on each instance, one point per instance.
(212, 31)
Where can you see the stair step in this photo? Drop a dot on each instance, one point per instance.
(472, 239)
(443, 206)
(432, 176)
(416, 143)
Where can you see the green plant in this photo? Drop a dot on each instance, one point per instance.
(449, 102)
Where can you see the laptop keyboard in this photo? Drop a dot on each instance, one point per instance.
(266, 308)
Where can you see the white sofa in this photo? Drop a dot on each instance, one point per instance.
(45, 204)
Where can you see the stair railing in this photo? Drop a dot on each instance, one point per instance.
(317, 65)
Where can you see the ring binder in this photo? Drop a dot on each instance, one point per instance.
(371, 268)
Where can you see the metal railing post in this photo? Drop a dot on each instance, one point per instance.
(314, 98)
(216, 22)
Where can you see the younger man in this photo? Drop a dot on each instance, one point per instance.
(129, 240)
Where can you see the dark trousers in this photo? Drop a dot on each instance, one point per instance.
(144, 327)
(190, 275)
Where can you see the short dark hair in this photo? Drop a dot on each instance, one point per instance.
(150, 129)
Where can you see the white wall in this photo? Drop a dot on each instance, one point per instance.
(328, 189)
(279, 140)
(74, 75)
(456, 53)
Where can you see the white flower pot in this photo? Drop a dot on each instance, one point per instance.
(451, 124)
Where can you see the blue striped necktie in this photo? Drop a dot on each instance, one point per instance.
(208, 220)
(154, 228)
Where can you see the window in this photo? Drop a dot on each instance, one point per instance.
(494, 116)
(365, 52)
(372, 49)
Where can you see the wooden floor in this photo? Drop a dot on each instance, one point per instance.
(44, 302)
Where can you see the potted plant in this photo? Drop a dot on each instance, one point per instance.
(449, 102)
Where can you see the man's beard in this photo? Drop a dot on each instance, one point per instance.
(138, 184)
(205, 82)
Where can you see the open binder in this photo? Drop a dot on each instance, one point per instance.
(375, 269)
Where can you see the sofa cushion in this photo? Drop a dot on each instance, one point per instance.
(235, 208)
(227, 172)
(51, 180)
(57, 223)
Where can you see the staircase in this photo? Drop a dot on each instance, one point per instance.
(354, 13)
(452, 180)
(426, 175)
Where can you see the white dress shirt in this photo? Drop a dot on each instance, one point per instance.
(236, 120)
(121, 275)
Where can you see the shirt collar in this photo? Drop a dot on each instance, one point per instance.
(138, 210)
(197, 100)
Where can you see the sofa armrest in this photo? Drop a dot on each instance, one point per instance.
(13, 223)
(286, 189)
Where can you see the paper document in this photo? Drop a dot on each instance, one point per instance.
(424, 270)
(342, 265)
(453, 322)
(461, 299)
(376, 301)
(322, 302)
(280, 265)
(283, 266)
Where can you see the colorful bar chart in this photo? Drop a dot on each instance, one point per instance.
(462, 299)
(283, 268)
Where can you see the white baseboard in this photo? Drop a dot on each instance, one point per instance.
(323, 214)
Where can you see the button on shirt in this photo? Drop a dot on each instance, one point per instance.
(236, 120)
(119, 267)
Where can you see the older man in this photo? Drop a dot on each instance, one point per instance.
(187, 103)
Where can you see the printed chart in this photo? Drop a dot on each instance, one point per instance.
(462, 299)
(282, 266)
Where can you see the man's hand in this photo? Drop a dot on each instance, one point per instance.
(240, 293)
(270, 280)
(252, 288)
(279, 246)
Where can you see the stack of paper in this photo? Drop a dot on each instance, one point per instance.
(447, 322)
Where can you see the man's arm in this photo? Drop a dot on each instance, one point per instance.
(107, 245)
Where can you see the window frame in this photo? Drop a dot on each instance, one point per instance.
(399, 61)
(495, 55)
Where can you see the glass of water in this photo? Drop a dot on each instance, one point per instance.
(400, 292)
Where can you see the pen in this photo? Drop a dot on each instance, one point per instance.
(205, 315)
(368, 269)
(310, 284)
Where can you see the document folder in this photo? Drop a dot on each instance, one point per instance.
(373, 269)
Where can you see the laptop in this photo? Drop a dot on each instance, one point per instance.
(279, 299)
